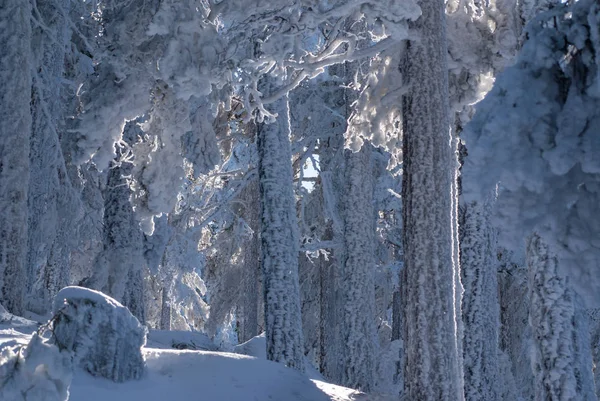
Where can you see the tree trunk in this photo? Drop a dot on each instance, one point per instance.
(118, 264)
(279, 237)
(15, 131)
(133, 298)
(52, 201)
(396, 314)
(430, 283)
(329, 340)
(358, 288)
(251, 258)
(480, 304)
(557, 361)
(165, 311)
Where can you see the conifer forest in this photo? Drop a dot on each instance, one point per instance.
(299, 200)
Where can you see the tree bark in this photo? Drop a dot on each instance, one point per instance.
(251, 258)
(558, 367)
(358, 287)
(279, 238)
(52, 201)
(165, 310)
(429, 281)
(480, 304)
(15, 132)
(121, 261)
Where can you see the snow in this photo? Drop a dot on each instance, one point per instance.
(201, 375)
(255, 347)
(80, 293)
(37, 371)
(181, 375)
(15, 324)
(30, 366)
(104, 336)
(192, 340)
(280, 240)
(535, 134)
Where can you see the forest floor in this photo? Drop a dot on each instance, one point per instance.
(196, 375)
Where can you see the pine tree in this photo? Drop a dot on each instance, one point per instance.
(52, 202)
(359, 335)
(480, 305)
(118, 267)
(250, 302)
(559, 369)
(515, 331)
(15, 132)
(544, 168)
(280, 243)
(429, 283)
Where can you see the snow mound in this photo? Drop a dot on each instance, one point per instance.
(105, 337)
(256, 347)
(204, 376)
(192, 340)
(175, 375)
(10, 321)
(37, 371)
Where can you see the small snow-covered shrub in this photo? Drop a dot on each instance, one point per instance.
(37, 371)
(105, 337)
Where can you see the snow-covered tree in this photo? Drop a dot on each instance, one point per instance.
(547, 185)
(15, 131)
(359, 336)
(52, 201)
(561, 371)
(480, 305)
(251, 279)
(104, 337)
(319, 111)
(338, 265)
(545, 167)
(594, 324)
(118, 268)
(280, 242)
(514, 332)
(430, 283)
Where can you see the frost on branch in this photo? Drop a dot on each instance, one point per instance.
(158, 172)
(37, 371)
(376, 115)
(105, 337)
(535, 134)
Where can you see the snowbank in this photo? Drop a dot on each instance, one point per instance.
(10, 321)
(203, 376)
(181, 375)
(37, 371)
(176, 339)
(170, 374)
(104, 336)
(256, 347)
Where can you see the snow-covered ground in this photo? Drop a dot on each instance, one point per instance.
(206, 375)
(185, 374)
